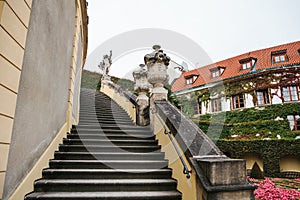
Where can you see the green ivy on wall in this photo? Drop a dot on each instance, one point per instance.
(251, 123)
(270, 151)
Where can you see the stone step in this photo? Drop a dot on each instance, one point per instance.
(109, 109)
(109, 142)
(104, 113)
(94, 117)
(110, 126)
(108, 164)
(103, 185)
(107, 156)
(116, 136)
(106, 122)
(121, 195)
(106, 174)
(111, 148)
(109, 130)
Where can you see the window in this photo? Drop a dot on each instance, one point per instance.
(216, 105)
(196, 108)
(290, 93)
(216, 74)
(262, 97)
(217, 71)
(294, 121)
(247, 63)
(238, 101)
(279, 56)
(191, 79)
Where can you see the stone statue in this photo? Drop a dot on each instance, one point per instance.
(104, 66)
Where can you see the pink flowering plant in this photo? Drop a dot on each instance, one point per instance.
(267, 190)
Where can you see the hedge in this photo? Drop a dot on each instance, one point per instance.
(271, 151)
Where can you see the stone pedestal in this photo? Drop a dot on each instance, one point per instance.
(106, 79)
(142, 87)
(157, 64)
(143, 118)
(224, 178)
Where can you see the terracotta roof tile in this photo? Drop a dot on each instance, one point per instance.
(233, 66)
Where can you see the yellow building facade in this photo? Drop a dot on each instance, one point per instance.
(39, 85)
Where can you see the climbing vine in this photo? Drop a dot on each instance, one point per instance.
(265, 80)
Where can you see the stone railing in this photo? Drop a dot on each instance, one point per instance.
(216, 175)
(125, 99)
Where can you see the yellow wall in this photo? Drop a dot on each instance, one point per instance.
(70, 119)
(289, 164)
(27, 184)
(14, 20)
(251, 158)
(120, 99)
(186, 186)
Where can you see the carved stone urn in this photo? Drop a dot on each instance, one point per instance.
(142, 87)
(157, 63)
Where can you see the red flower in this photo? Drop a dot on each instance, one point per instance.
(267, 191)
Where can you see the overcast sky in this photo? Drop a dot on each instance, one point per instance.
(223, 28)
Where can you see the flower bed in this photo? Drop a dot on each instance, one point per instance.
(277, 189)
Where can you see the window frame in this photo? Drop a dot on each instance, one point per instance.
(218, 103)
(265, 97)
(290, 93)
(233, 101)
(190, 79)
(281, 55)
(281, 58)
(197, 108)
(247, 66)
(248, 62)
(216, 72)
(295, 122)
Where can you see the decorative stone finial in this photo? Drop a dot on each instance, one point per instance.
(157, 63)
(157, 55)
(156, 47)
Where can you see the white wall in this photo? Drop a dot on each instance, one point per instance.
(249, 101)
(226, 104)
(276, 99)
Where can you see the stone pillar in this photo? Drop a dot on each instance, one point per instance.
(142, 88)
(223, 178)
(157, 63)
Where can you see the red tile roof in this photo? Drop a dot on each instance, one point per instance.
(233, 66)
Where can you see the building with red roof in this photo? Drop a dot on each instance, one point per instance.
(257, 78)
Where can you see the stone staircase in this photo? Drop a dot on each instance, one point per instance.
(106, 157)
